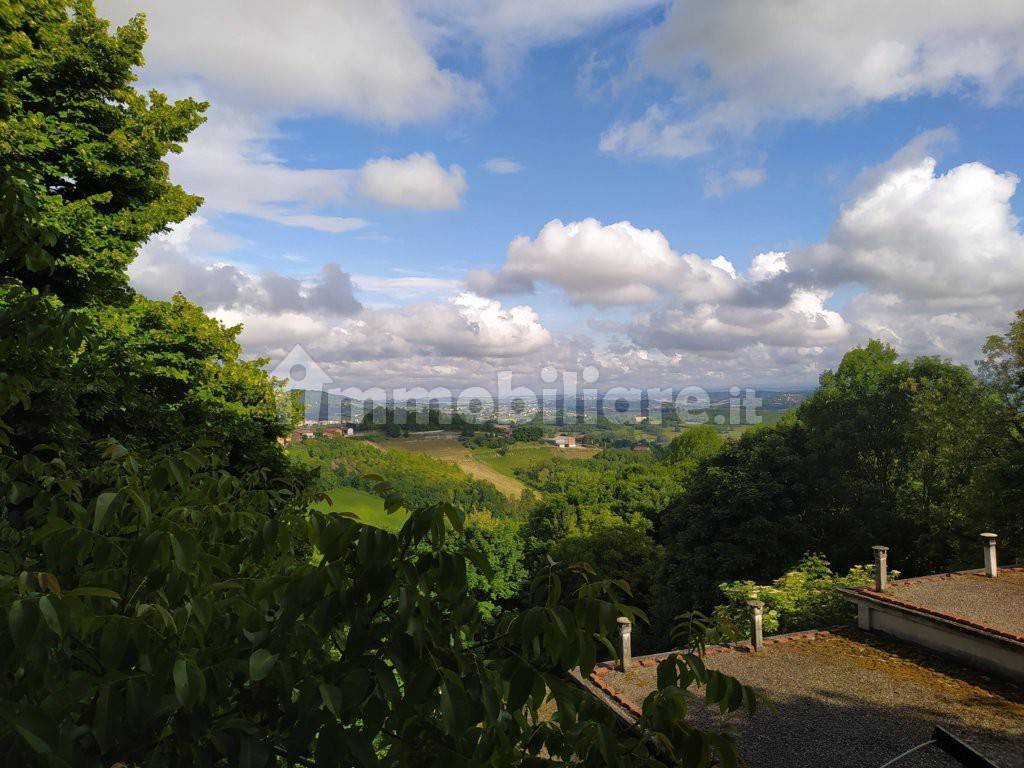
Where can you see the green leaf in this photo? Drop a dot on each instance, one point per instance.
(184, 548)
(113, 641)
(520, 687)
(455, 516)
(20, 491)
(181, 684)
(332, 698)
(103, 504)
(666, 673)
(696, 664)
(34, 739)
(726, 750)
(189, 683)
(695, 748)
(749, 699)
(179, 471)
(260, 664)
(37, 260)
(115, 450)
(93, 592)
(102, 721)
(23, 618)
(50, 615)
(480, 562)
(734, 695)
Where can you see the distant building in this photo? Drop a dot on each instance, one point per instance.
(336, 431)
(562, 441)
(296, 436)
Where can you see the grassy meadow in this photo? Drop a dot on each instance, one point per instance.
(365, 506)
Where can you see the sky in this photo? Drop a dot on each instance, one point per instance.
(676, 194)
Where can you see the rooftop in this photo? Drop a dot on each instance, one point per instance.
(995, 605)
(849, 698)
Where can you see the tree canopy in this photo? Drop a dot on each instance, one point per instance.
(884, 451)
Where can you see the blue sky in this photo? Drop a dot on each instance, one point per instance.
(870, 159)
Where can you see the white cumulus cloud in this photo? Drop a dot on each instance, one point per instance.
(230, 161)
(463, 327)
(926, 235)
(417, 181)
(605, 264)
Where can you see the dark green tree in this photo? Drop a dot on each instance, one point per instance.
(528, 432)
(1001, 489)
(895, 447)
(749, 513)
(885, 451)
(84, 184)
(163, 373)
(694, 445)
(618, 551)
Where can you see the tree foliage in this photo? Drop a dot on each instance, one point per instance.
(528, 432)
(177, 604)
(618, 551)
(177, 617)
(884, 452)
(183, 373)
(1002, 486)
(499, 541)
(613, 486)
(694, 445)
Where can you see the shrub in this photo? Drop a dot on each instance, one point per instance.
(802, 598)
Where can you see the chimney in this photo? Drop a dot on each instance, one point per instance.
(881, 568)
(756, 629)
(625, 643)
(991, 564)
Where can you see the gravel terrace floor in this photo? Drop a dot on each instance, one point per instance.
(997, 603)
(853, 700)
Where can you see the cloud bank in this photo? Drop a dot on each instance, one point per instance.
(735, 67)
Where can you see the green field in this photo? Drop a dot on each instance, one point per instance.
(449, 449)
(520, 456)
(485, 463)
(366, 506)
